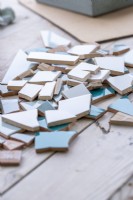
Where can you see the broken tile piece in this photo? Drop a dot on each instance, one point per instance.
(16, 84)
(104, 122)
(27, 73)
(101, 94)
(79, 106)
(122, 105)
(79, 75)
(88, 67)
(101, 76)
(121, 84)
(44, 127)
(128, 59)
(26, 120)
(10, 157)
(83, 51)
(119, 49)
(53, 141)
(12, 145)
(18, 65)
(58, 86)
(76, 91)
(4, 92)
(41, 77)
(95, 112)
(47, 92)
(46, 105)
(58, 117)
(52, 40)
(52, 58)
(122, 119)
(2, 140)
(6, 129)
(94, 85)
(31, 105)
(30, 91)
(25, 138)
(9, 106)
(112, 63)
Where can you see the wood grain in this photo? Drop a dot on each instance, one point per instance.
(95, 168)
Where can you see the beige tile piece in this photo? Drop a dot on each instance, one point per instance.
(10, 157)
(16, 84)
(122, 119)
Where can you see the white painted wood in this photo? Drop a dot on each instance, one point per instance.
(47, 91)
(52, 40)
(96, 166)
(52, 58)
(29, 91)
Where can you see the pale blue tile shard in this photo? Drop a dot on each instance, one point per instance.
(100, 93)
(58, 141)
(122, 105)
(43, 125)
(96, 112)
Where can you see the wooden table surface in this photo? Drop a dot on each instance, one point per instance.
(99, 165)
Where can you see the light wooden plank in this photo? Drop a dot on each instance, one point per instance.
(30, 161)
(95, 168)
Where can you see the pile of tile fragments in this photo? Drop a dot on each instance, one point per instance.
(46, 90)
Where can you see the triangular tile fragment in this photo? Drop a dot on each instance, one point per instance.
(121, 84)
(119, 49)
(79, 106)
(26, 119)
(9, 106)
(95, 112)
(122, 119)
(112, 63)
(6, 129)
(54, 141)
(76, 91)
(58, 117)
(12, 145)
(122, 105)
(10, 157)
(19, 65)
(52, 40)
(101, 93)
